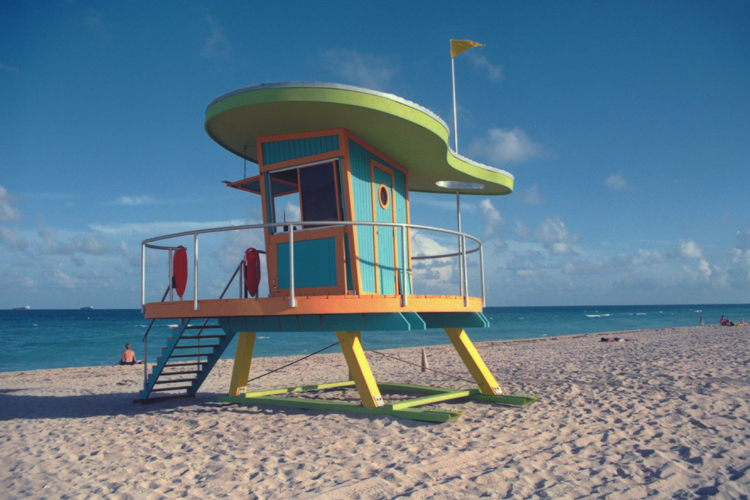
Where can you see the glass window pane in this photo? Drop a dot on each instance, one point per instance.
(318, 193)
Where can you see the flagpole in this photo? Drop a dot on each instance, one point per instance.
(461, 46)
(455, 148)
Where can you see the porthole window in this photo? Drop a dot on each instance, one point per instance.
(383, 196)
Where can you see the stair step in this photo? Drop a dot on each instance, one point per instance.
(174, 381)
(189, 356)
(194, 363)
(206, 327)
(198, 337)
(195, 346)
(164, 389)
(189, 372)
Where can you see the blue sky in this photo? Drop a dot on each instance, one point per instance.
(625, 124)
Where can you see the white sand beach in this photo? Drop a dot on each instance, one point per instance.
(666, 415)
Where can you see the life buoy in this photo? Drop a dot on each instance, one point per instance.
(180, 270)
(252, 271)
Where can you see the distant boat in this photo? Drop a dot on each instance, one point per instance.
(22, 308)
(87, 308)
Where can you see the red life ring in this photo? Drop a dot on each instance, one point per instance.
(180, 270)
(252, 271)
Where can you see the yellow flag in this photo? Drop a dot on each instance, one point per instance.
(458, 46)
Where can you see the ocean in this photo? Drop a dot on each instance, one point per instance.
(42, 339)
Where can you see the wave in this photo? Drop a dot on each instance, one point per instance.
(641, 314)
(598, 315)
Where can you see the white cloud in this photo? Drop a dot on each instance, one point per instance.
(91, 244)
(505, 146)
(292, 211)
(521, 229)
(63, 280)
(495, 73)
(375, 72)
(7, 210)
(554, 236)
(490, 216)
(530, 196)
(739, 272)
(132, 201)
(153, 229)
(10, 239)
(423, 246)
(217, 46)
(690, 250)
(617, 182)
(647, 257)
(8, 69)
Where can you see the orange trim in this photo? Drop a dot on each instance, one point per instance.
(302, 135)
(266, 231)
(374, 228)
(238, 184)
(319, 158)
(381, 189)
(308, 234)
(305, 159)
(346, 170)
(373, 165)
(321, 304)
(305, 235)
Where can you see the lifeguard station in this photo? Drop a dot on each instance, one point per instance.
(348, 157)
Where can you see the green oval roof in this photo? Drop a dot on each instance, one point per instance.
(409, 134)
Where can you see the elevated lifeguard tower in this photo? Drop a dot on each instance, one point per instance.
(348, 157)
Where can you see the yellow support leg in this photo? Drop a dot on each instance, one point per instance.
(473, 361)
(242, 360)
(359, 369)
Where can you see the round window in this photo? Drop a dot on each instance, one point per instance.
(383, 196)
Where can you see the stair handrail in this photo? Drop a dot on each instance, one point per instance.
(145, 337)
(145, 342)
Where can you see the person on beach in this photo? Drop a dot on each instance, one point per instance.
(701, 322)
(128, 356)
(725, 322)
(742, 322)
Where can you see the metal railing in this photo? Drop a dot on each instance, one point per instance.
(290, 226)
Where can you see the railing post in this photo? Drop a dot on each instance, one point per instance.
(145, 364)
(461, 269)
(171, 274)
(292, 300)
(195, 273)
(242, 276)
(481, 273)
(403, 265)
(143, 277)
(465, 274)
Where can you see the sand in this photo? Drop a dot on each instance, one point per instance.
(663, 416)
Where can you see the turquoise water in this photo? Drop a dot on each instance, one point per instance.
(43, 339)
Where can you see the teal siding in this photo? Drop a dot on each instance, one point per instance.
(386, 262)
(363, 203)
(314, 263)
(278, 151)
(359, 159)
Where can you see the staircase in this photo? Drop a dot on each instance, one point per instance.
(185, 362)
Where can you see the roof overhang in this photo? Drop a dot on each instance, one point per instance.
(407, 133)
